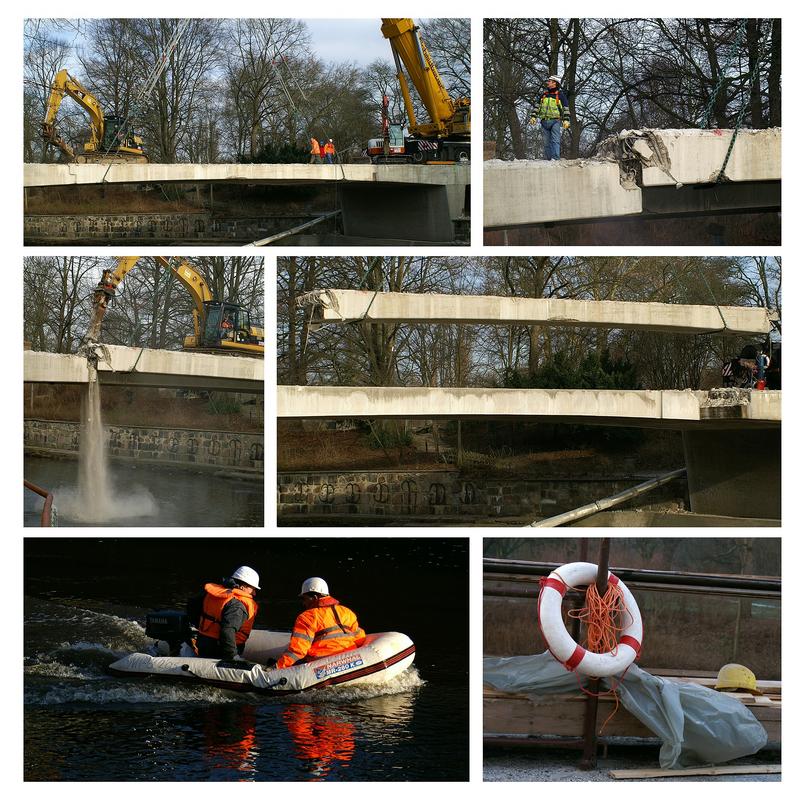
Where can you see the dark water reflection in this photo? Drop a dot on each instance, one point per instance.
(86, 599)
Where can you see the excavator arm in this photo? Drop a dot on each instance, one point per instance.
(448, 117)
(192, 281)
(206, 314)
(65, 85)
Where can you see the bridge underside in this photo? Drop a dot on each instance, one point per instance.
(731, 437)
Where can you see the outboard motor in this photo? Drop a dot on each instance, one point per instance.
(171, 627)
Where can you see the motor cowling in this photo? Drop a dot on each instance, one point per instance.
(169, 626)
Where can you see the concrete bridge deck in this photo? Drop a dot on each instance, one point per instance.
(348, 305)
(680, 410)
(633, 175)
(275, 174)
(135, 366)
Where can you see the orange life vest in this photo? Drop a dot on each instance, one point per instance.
(314, 147)
(326, 629)
(328, 148)
(217, 597)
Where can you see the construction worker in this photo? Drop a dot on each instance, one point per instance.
(315, 152)
(329, 150)
(324, 628)
(736, 678)
(553, 114)
(224, 615)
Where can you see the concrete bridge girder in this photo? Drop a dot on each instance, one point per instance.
(133, 366)
(349, 305)
(645, 408)
(632, 176)
(398, 201)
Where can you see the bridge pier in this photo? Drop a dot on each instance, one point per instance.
(734, 472)
(397, 211)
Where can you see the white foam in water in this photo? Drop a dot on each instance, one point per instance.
(95, 499)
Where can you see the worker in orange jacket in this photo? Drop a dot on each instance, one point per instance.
(325, 627)
(315, 152)
(225, 615)
(329, 150)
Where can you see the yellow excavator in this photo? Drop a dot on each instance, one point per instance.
(111, 139)
(219, 327)
(445, 137)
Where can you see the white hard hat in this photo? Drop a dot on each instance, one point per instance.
(316, 585)
(555, 78)
(246, 575)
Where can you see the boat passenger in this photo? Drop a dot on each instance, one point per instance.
(224, 615)
(325, 627)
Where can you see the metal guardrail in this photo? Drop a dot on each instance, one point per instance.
(529, 572)
(49, 518)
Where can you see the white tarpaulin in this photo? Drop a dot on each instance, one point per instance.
(696, 725)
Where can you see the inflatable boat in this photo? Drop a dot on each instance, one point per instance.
(382, 657)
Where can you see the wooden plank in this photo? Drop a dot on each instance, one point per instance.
(738, 769)
(553, 717)
(767, 687)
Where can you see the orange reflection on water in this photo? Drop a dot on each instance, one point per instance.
(321, 738)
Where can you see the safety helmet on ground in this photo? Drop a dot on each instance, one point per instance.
(246, 575)
(315, 585)
(555, 78)
(736, 676)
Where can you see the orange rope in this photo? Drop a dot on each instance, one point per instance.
(603, 619)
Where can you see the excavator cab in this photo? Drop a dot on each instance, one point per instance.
(227, 325)
(116, 137)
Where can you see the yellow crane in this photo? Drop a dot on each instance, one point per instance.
(445, 136)
(110, 137)
(218, 326)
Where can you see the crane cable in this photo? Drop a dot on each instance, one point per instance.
(152, 79)
(749, 79)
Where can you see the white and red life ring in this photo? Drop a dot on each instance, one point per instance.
(561, 644)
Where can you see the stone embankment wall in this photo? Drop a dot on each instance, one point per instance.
(141, 227)
(447, 493)
(181, 446)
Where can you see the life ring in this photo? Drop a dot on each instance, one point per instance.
(561, 644)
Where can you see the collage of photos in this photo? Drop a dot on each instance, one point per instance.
(602, 349)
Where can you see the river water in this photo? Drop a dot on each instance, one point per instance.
(147, 496)
(85, 606)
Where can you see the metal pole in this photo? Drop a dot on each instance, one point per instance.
(589, 759)
(608, 502)
(575, 627)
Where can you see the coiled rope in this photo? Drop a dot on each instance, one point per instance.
(604, 618)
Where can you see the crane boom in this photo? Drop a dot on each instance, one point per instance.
(448, 117)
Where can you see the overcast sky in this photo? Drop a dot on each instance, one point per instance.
(358, 40)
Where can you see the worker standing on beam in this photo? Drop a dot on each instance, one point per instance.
(553, 114)
(330, 151)
(315, 152)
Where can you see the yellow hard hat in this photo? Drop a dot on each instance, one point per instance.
(736, 676)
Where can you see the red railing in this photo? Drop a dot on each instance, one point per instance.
(47, 509)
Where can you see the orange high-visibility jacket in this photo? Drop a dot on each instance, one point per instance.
(314, 147)
(217, 597)
(329, 148)
(326, 629)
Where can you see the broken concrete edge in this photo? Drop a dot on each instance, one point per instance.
(644, 156)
